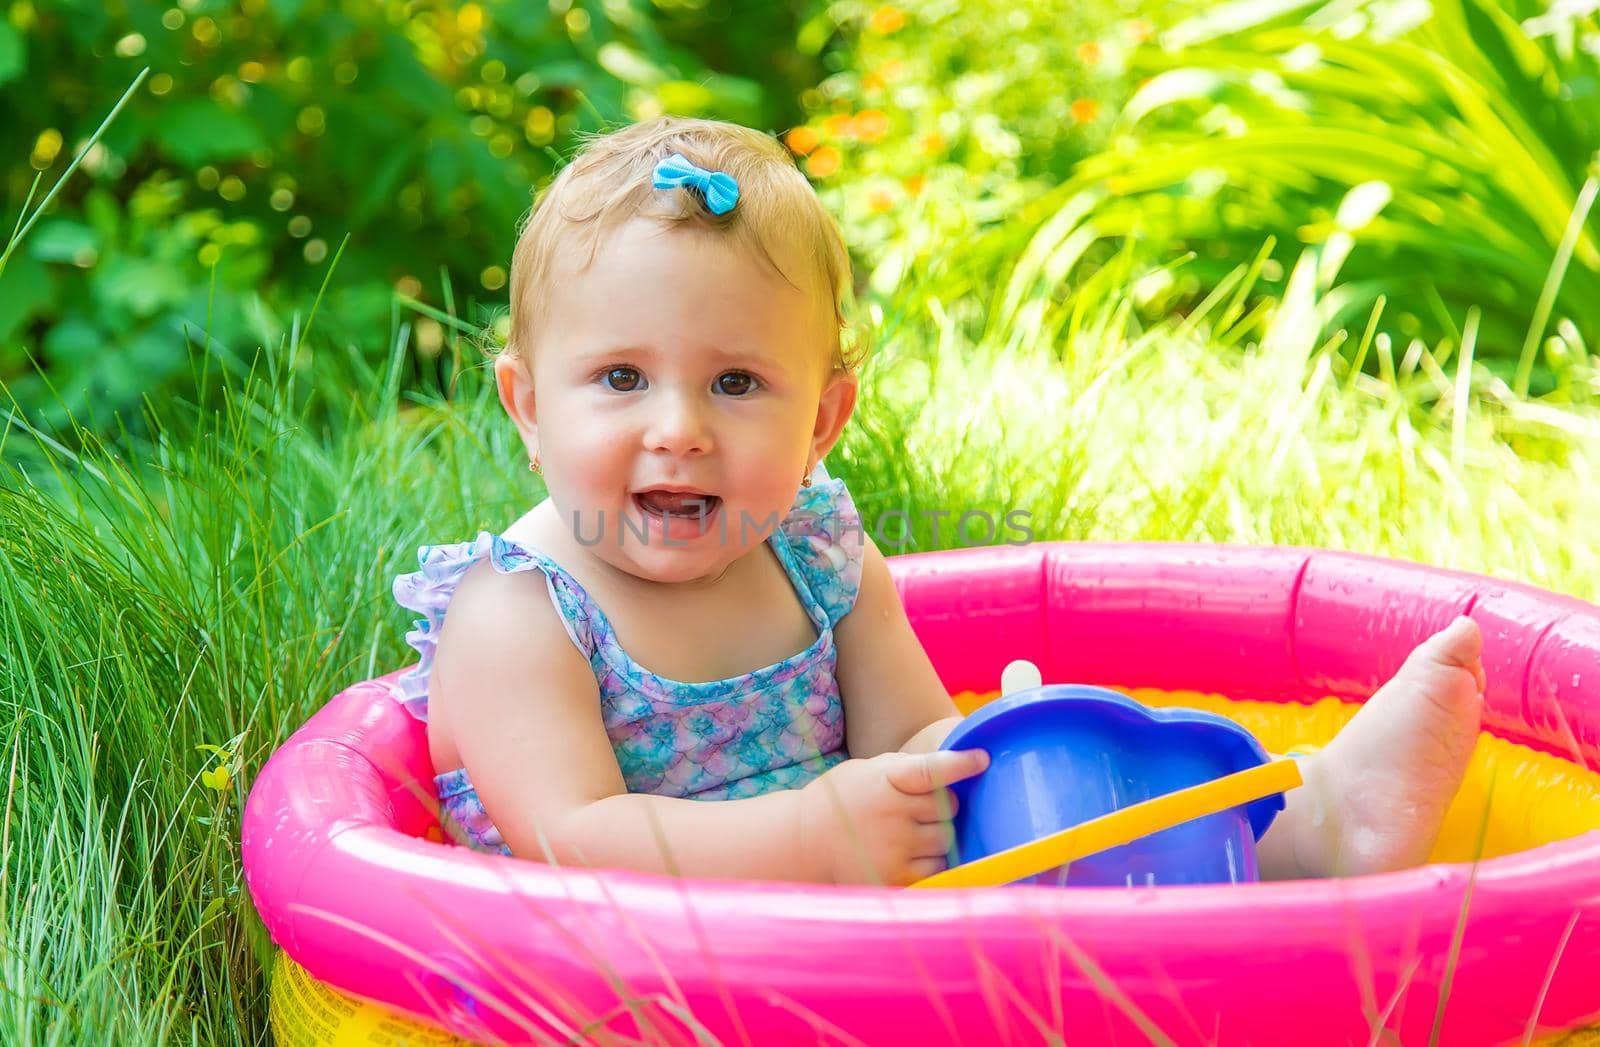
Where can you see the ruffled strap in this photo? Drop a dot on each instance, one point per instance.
(823, 530)
(429, 589)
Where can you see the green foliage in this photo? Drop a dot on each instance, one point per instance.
(1448, 148)
(268, 132)
(928, 138)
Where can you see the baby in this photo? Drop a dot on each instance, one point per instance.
(694, 613)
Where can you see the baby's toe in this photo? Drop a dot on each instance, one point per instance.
(1458, 645)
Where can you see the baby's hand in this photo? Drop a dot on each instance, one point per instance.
(884, 820)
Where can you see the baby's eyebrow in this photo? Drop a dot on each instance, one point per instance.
(724, 356)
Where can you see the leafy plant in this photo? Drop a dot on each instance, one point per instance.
(1451, 143)
(268, 132)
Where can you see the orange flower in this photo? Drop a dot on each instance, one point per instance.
(871, 125)
(871, 81)
(880, 201)
(1089, 53)
(914, 184)
(1085, 110)
(1139, 30)
(886, 20)
(823, 162)
(891, 69)
(839, 125)
(801, 140)
(933, 143)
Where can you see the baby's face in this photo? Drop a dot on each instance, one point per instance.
(676, 362)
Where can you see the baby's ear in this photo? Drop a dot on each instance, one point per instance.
(833, 411)
(515, 384)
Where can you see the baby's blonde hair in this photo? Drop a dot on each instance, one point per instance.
(610, 181)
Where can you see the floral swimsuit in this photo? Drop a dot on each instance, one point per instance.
(774, 728)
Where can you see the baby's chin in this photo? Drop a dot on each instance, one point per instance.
(695, 571)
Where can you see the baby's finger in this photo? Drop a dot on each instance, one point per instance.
(933, 840)
(924, 772)
(920, 869)
(938, 806)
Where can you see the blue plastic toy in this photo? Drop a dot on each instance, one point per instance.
(1065, 754)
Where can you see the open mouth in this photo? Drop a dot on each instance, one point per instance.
(677, 505)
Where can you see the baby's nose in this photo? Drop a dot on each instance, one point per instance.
(679, 426)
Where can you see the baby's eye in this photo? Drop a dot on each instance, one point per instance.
(621, 379)
(736, 383)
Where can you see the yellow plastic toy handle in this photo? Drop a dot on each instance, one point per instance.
(1120, 827)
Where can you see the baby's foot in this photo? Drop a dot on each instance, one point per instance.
(1376, 795)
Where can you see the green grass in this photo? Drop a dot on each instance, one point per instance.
(1107, 434)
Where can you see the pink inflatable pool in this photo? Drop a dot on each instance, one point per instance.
(338, 864)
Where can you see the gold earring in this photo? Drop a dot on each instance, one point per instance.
(533, 466)
(805, 481)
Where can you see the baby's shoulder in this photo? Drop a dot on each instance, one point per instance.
(486, 596)
(504, 631)
(515, 595)
(489, 601)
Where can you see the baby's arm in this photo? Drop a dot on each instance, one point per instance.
(893, 700)
(523, 708)
(522, 705)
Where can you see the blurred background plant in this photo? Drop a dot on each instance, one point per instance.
(268, 132)
(1443, 150)
(926, 142)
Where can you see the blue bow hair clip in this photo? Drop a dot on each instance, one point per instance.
(717, 188)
